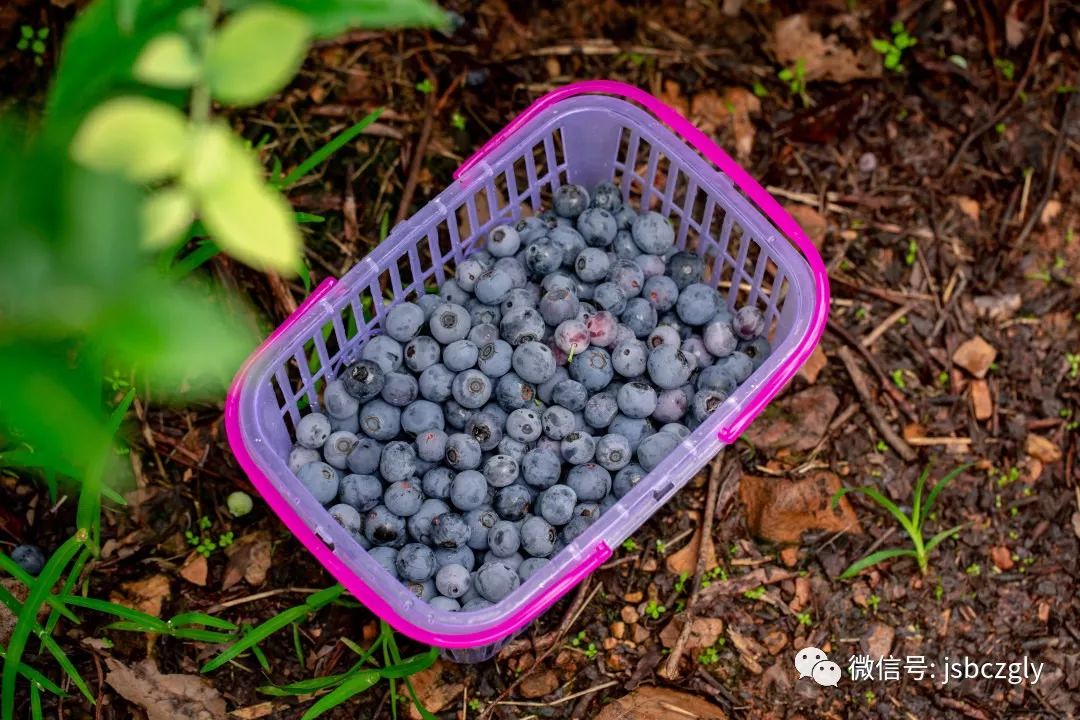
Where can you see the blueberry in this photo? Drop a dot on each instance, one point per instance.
(30, 558)
(530, 567)
(663, 335)
(669, 367)
(511, 392)
(578, 448)
(347, 517)
(626, 479)
(603, 328)
(461, 555)
(533, 362)
(672, 319)
(571, 395)
(556, 281)
(601, 409)
(421, 353)
(503, 241)
(718, 378)
(522, 325)
(337, 401)
(695, 346)
(463, 452)
(623, 245)
(592, 368)
(523, 297)
(364, 458)
(655, 448)
(589, 481)
(516, 270)
(475, 605)
(686, 268)
(719, 339)
(400, 389)
(705, 403)
(558, 422)
(415, 562)
(628, 358)
(436, 482)
(607, 196)
(468, 490)
(524, 425)
(453, 580)
(592, 264)
(543, 257)
(384, 351)
(398, 463)
(671, 405)
(403, 321)
(386, 557)
(697, 304)
(467, 272)
(653, 233)
(422, 416)
(597, 226)
(403, 498)
(748, 322)
(449, 530)
(633, 429)
(349, 424)
(503, 539)
(558, 305)
(569, 241)
(556, 504)
(493, 286)
(757, 350)
(436, 383)
(494, 581)
(419, 524)
(613, 452)
(312, 430)
(739, 364)
(513, 448)
(625, 215)
(471, 388)
(444, 603)
(651, 266)
(609, 296)
(338, 447)
(569, 201)
(483, 333)
(380, 420)
(382, 527)
(585, 514)
(424, 590)
(363, 380)
(321, 480)
(532, 228)
(514, 560)
(538, 537)
(546, 389)
(450, 322)
(479, 521)
(428, 303)
(512, 502)
(677, 429)
(572, 336)
(363, 492)
(639, 316)
(486, 428)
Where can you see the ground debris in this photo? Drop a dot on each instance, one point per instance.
(658, 703)
(165, 697)
(782, 510)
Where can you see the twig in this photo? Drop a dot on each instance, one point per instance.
(671, 668)
(885, 325)
(897, 397)
(929, 441)
(1017, 91)
(260, 596)
(961, 284)
(416, 161)
(859, 381)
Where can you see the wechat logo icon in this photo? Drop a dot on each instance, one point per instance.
(816, 665)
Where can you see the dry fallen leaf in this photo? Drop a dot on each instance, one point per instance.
(997, 307)
(782, 510)
(824, 57)
(975, 355)
(969, 206)
(146, 595)
(249, 559)
(434, 693)
(704, 632)
(813, 366)
(797, 422)
(1041, 448)
(672, 95)
(539, 684)
(685, 559)
(712, 113)
(648, 702)
(254, 712)
(165, 697)
(195, 570)
(981, 402)
(811, 221)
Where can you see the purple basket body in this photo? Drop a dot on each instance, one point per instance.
(755, 252)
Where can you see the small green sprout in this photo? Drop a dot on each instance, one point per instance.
(873, 601)
(882, 446)
(425, 86)
(1000, 128)
(1074, 364)
(912, 253)
(1005, 67)
(897, 376)
(759, 89)
(755, 594)
(943, 378)
(680, 584)
(225, 539)
(34, 41)
(629, 545)
(939, 592)
(661, 546)
(654, 610)
(457, 121)
(717, 573)
(860, 313)
(796, 81)
(709, 656)
(974, 569)
(591, 651)
(893, 51)
(804, 618)
(869, 697)
(475, 705)
(578, 639)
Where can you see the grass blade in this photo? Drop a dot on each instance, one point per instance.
(114, 496)
(413, 665)
(22, 576)
(144, 621)
(303, 218)
(35, 677)
(941, 485)
(69, 583)
(307, 687)
(205, 636)
(873, 559)
(198, 618)
(881, 500)
(88, 515)
(941, 537)
(194, 260)
(916, 505)
(317, 157)
(257, 635)
(25, 623)
(353, 686)
(35, 703)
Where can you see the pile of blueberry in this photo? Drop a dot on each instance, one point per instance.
(491, 424)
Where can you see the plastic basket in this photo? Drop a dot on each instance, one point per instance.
(583, 133)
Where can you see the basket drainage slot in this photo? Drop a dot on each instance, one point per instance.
(657, 494)
(326, 541)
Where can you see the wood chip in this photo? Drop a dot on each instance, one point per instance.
(997, 307)
(813, 366)
(1041, 448)
(981, 403)
(975, 355)
(195, 570)
(704, 632)
(537, 685)
(968, 206)
(629, 614)
(1002, 557)
(165, 697)
(254, 712)
(878, 640)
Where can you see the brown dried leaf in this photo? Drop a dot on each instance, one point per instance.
(981, 402)
(969, 206)
(782, 510)
(672, 95)
(813, 365)
(975, 355)
(797, 421)
(685, 559)
(1041, 448)
(249, 559)
(824, 57)
(811, 221)
(434, 694)
(536, 685)
(704, 632)
(656, 703)
(712, 113)
(146, 595)
(195, 570)
(165, 697)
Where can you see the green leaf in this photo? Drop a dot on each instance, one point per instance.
(198, 618)
(941, 485)
(881, 46)
(140, 138)
(785, 74)
(6, 598)
(883, 502)
(917, 498)
(26, 31)
(873, 559)
(35, 677)
(941, 537)
(307, 687)
(355, 685)
(142, 622)
(332, 17)
(195, 259)
(166, 214)
(168, 61)
(256, 52)
(320, 155)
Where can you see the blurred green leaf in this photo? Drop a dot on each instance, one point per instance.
(168, 61)
(333, 17)
(141, 138)
(256, 52)
(165, 214)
